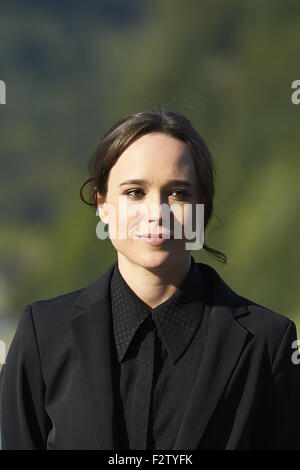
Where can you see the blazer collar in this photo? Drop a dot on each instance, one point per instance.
(219, 292)
(92, 328)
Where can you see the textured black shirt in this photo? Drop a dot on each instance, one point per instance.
(159, 351)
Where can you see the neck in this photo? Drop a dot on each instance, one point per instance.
(154, 285)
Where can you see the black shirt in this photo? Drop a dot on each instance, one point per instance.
(159, 351)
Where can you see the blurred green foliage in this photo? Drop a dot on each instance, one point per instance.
(74, 68)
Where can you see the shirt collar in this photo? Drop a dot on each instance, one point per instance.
(177, 319)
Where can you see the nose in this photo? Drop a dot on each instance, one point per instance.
(156, 205)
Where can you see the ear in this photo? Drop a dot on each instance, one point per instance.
(102, 208)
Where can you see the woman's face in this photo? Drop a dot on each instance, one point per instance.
(164, 173)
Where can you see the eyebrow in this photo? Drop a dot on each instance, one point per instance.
(169, 183)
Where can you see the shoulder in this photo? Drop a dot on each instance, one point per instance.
(52, 313)
(270, 328)
(260, 315)
(55, 309)
(44, 321)
(271, 333)
(260, 320)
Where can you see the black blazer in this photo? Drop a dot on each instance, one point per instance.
(57, 386)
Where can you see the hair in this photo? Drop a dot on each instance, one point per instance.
(127, 130)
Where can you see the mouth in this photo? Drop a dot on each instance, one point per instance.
(154, 240)
(153, 236)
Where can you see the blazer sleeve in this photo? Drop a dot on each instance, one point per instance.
(278, 427)
(24, 423)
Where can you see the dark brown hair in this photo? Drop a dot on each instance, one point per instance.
(128, 129)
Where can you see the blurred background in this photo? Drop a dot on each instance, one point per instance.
(73, 68)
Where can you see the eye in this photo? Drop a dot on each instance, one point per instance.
(130, 193)
(138, 193)
(181, 194)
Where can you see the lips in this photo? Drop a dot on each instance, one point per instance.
(156, 235)
(156, 241)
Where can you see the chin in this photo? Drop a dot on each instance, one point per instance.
(147, 258)
(153, 260)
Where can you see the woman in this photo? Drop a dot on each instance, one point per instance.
(158, 352)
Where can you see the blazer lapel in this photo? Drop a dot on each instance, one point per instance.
(224, 343)
(92, 330)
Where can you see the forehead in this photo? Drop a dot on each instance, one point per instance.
(155, 154)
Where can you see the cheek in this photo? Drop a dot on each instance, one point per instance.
(188, 218)
(132, 218)
(177, 211)
(124, 219)
(182, 214)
